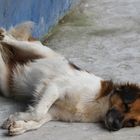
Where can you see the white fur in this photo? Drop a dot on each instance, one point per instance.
(61, 92)
(22, 31)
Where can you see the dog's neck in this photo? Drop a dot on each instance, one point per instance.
(96, 109)
(103, 98)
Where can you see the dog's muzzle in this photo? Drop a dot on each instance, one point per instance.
(114, 120)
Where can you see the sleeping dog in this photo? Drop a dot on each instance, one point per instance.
(56, 89)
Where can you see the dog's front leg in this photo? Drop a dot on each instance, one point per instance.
(21, 126)
(32, 119)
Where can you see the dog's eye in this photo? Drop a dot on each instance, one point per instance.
(127, 108)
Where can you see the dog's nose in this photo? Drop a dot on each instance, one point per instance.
(114, 125)
(113, 120)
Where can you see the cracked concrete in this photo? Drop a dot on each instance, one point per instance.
(101, 36)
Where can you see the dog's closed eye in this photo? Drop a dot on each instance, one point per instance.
(130, 123)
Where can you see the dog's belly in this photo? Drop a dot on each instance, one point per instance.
(25, 82)
(26, 78)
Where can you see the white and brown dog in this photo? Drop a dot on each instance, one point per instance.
(57, 89)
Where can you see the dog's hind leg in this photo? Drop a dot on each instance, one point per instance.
(24, 49)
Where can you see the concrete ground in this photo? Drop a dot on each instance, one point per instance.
(101, 36)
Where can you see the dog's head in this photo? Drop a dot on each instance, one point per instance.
(124, 109)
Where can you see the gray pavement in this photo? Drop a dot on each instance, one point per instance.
(101, 36)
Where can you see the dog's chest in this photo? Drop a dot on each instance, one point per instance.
(80, 107)
(78, 102)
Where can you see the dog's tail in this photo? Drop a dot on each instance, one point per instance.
(22, 31)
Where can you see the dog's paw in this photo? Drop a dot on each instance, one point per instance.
(2, 34)
(16, 128)
(11, 119)
(7, 122)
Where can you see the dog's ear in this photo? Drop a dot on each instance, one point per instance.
(128, 92)
(22, 31)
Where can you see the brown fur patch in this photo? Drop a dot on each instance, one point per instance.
(16, 55)
(136, 106)
(134, 112)
(117, 103)
(31, 39)
(106, 88)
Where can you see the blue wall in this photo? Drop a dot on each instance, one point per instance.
(45, 13)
